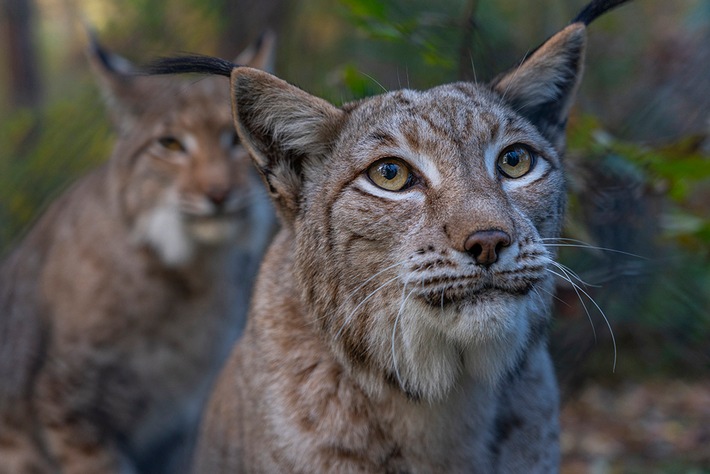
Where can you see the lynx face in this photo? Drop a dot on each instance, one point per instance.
(435, 242)
(192, 167)
(189, 183)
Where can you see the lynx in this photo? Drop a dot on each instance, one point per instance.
(120, 305)
(399, 319)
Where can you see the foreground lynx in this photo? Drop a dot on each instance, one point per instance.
(399, 319)
(119, 306)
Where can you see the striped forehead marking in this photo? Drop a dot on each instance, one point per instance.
(394, 143)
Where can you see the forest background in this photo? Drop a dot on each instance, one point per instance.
(638, 163)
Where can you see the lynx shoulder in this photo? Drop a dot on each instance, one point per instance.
(399, 319)
(120, 304)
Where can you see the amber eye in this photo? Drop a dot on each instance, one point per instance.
(171, 143)
(516, 161)
(391, 174)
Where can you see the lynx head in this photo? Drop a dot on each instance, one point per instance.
(417, 219)
(181, 176)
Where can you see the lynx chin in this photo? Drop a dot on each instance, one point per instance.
(120, 305)
(399, 320)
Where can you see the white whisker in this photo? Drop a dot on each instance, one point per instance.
(537, 293)
(579, 297)
(473, 68)
(584, 245)
(394, 332)
(606, 320)
(552, 295)
(352, 293)
(352, 313)
(567, 271)
(515, 73)
(374, 80)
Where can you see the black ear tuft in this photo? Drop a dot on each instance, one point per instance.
(595, 9)
(97, 49)
(198, 64)
(542, 88)
(108, 62)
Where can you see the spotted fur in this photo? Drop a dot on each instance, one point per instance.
(121, 303)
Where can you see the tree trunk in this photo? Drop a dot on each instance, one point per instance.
(21, 62)
(247, 19)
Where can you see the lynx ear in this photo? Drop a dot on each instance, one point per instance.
(542, 88)
(261, 54)
(283, 127)
(118, 81)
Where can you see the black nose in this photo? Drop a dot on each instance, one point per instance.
(218, 196)
(485, 245)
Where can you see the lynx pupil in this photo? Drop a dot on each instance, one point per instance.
(389, 171)
(516, 161)
(512, 158)
(391, 174)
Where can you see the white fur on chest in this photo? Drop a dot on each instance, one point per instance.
(431, 349)
(163, 229)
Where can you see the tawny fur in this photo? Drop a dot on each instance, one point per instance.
(120, 305)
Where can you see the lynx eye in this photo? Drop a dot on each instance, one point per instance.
(171, 143)
(229, 139)
(391, 174)
(516, 161)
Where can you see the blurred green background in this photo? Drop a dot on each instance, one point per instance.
(638, 161)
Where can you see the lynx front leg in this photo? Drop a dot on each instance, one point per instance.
(527, 426)
(21, 450)
(20, 454)
(80, 449)
(77, 422)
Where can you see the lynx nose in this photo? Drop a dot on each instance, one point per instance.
(218, 196)
(485, 245)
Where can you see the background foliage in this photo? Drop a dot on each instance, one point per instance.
(638, 155)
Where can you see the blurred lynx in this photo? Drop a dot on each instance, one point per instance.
(119, 306)
(399, 319)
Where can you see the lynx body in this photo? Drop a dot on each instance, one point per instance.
(121, 303)
(395, 330)
(399, 318)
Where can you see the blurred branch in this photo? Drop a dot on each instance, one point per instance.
(24, 84)
(247, 19)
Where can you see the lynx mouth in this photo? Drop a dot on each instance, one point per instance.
(216, 216)
(213, 229)
(459, 291)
